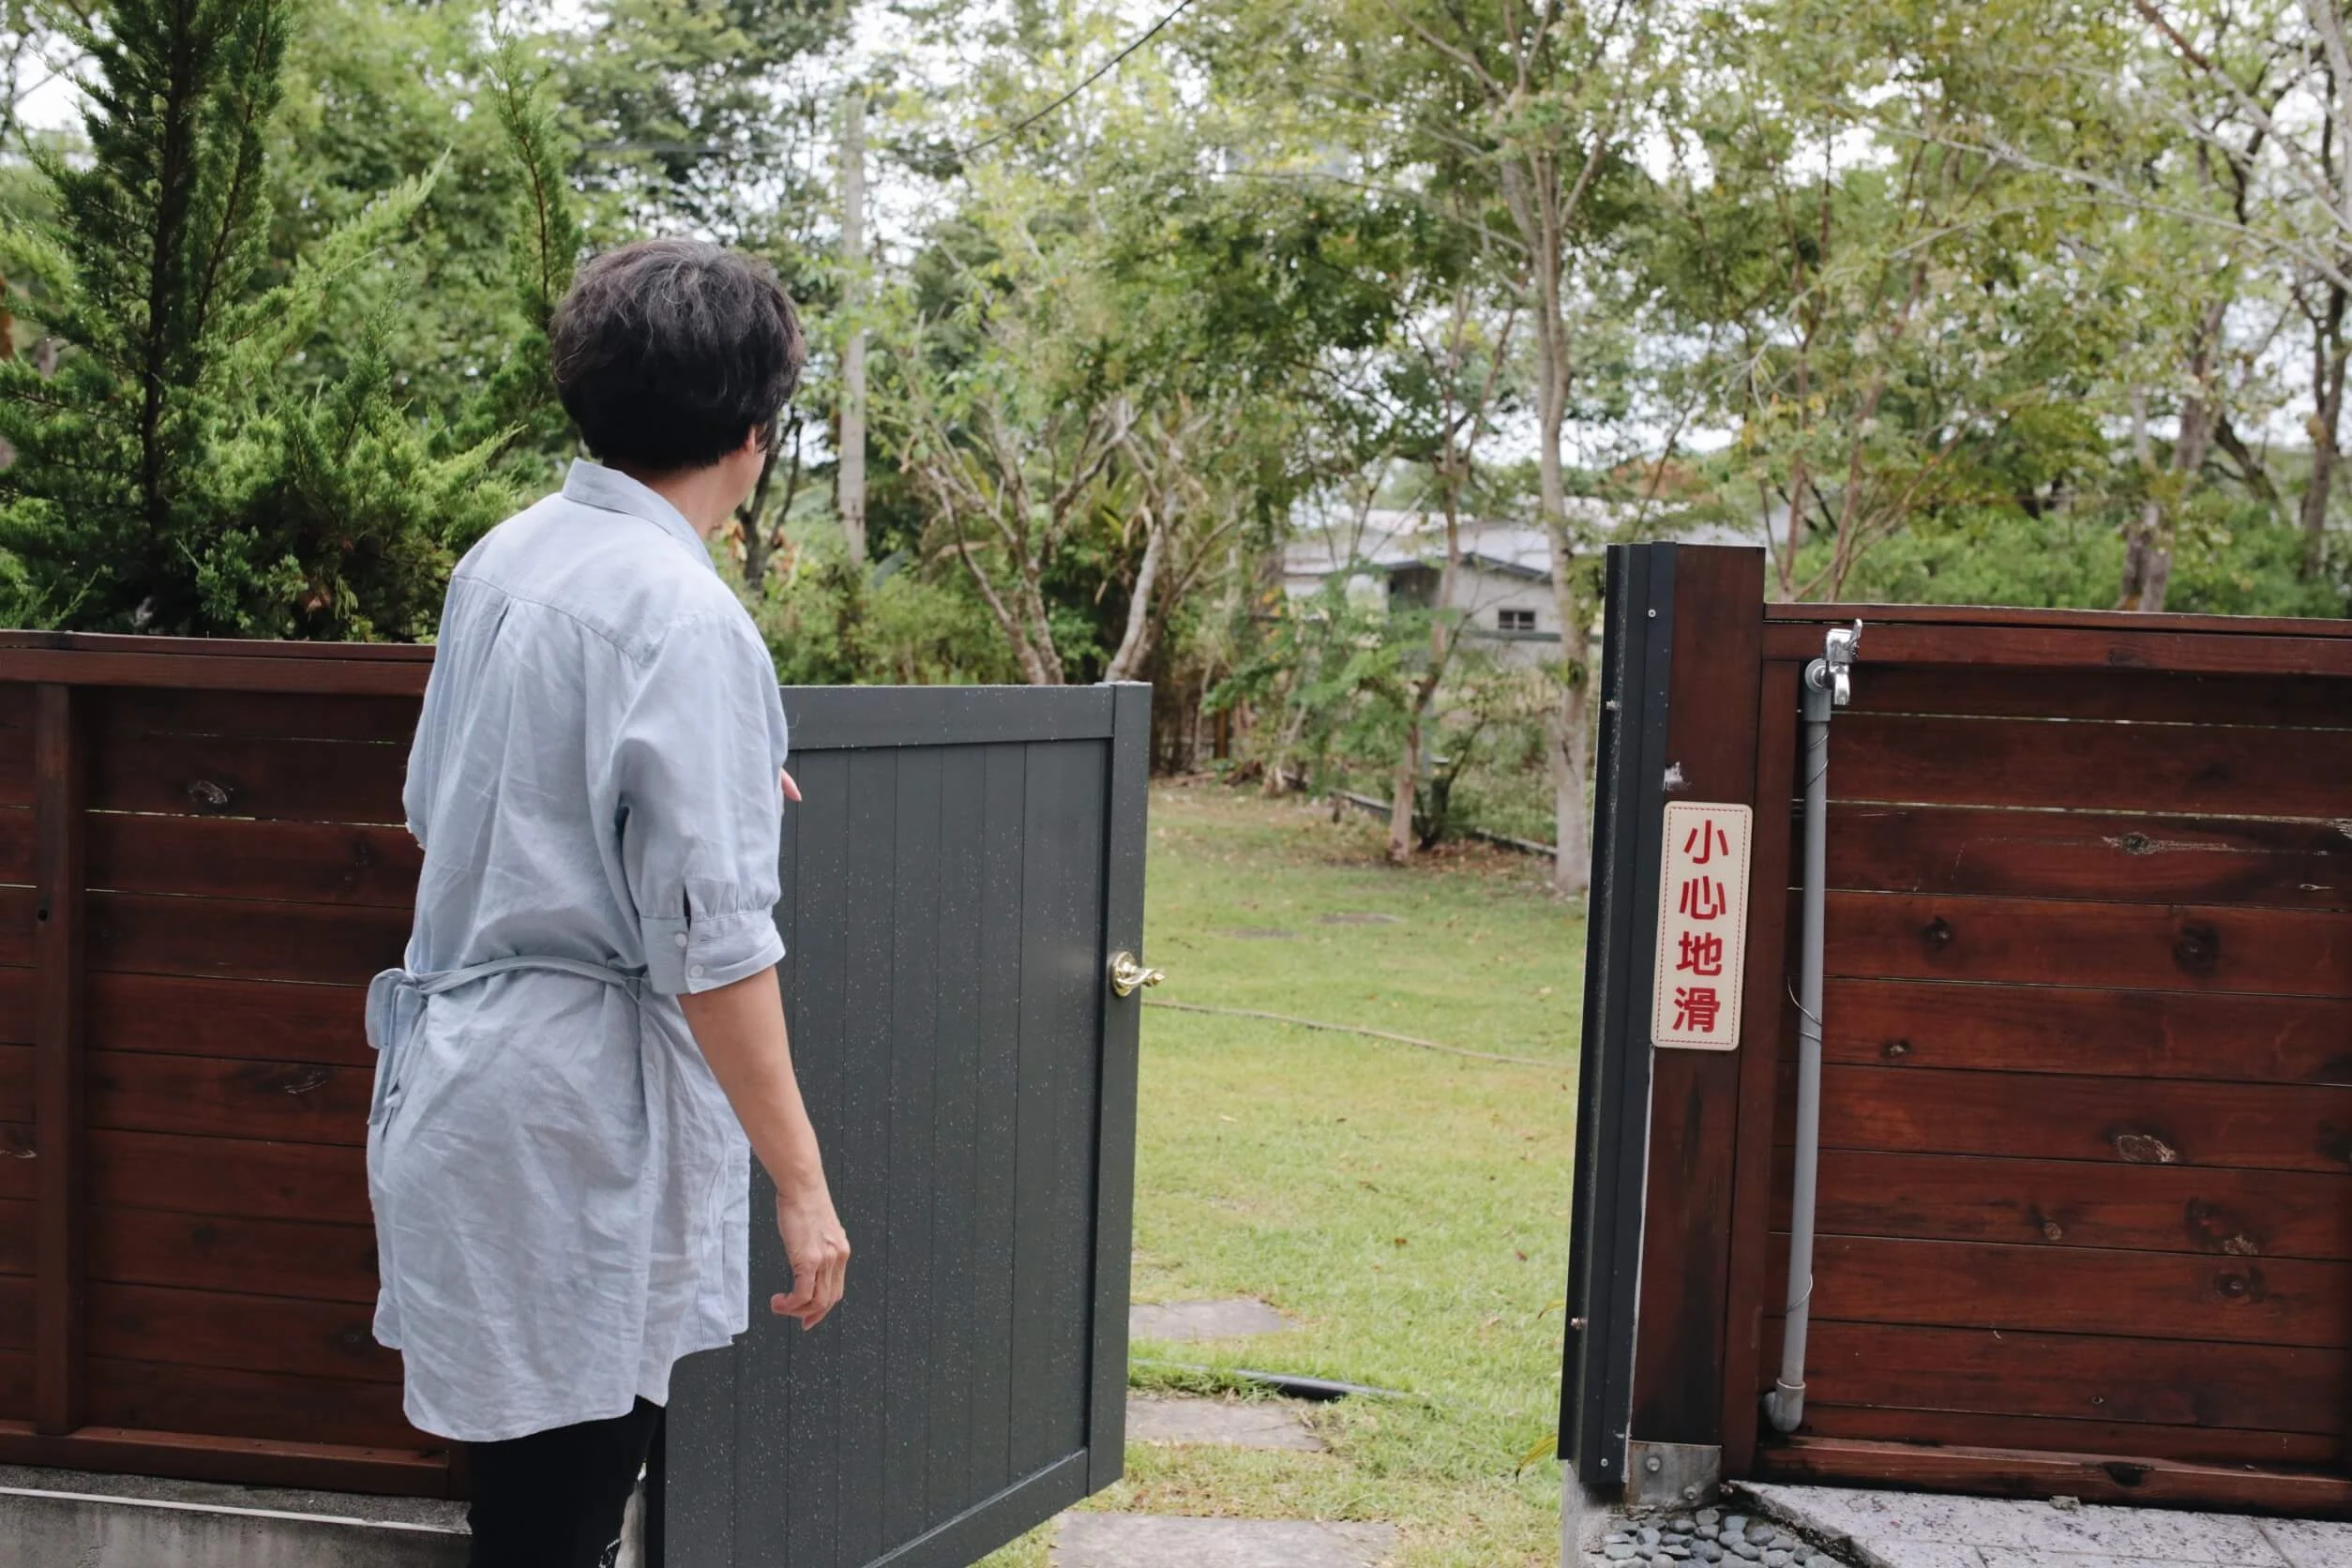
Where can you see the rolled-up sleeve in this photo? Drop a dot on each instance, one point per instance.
(695, 761)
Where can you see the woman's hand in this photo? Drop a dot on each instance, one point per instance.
(819, 1251)
(792, 791)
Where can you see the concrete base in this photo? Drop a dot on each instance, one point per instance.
(1912, 1530)
(74, 1520)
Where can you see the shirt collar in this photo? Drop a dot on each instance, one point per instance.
(609, 490)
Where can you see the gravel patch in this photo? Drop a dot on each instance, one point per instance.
(1679, 1538)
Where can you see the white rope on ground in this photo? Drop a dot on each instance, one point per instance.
(1352, 1028)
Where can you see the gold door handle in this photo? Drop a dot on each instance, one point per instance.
(1128, 976)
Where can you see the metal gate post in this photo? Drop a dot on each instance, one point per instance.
(1613, 1088)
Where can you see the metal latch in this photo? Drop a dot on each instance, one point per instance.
(1128, 976)
(1833, 673)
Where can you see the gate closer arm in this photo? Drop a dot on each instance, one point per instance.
(1827, 686)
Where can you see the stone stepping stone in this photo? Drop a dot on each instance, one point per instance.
(1154, 1541)
(1234, 1423)
(1239, 1318)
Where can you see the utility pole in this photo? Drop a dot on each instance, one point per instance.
(851, 483)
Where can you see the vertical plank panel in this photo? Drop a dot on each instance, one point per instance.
(1694, 1095)
(913, 1024)
(996, 1118)
(802, 1510)
(1764, 1009)
(1127, 834)
(861, 1150)
(963, 820)
(1076, 994)
(60, 1131)
(1047, 1370)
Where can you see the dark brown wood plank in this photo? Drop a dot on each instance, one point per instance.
(231, 1252)
(146, 933)
(2173, 1382)
(245, 1333)
(295, 1102)
(256, 1019)
(19, 1069)
(19, 1224)
(176, 672)
(16, 844)
(2090, 1478)
(309, 863)
(16, 707)
(2075, 648)
(2070, 1204)
(2202, 1445)
(16, 764)
(198, 650)
(245, 1461)
(16, 1330)
(60, 1077)
(1765, 1019)
(2254, 1127)
(2127, 623)
(229, 1402)
(291, 716)
(2186, 947)
(2052, 1029)
(16, 1005)
(319, 1182)
(17, 927)
(20, 1174)
(1711, 720)
(2054, 1290)
(16, 1386)
(2182, 770)
(247, 776)
(2096, 856)
(2145, 696)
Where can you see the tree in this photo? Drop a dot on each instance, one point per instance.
(182, 471)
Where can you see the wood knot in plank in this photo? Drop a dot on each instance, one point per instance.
(1936, 934)
(2145, 1149)
(205, 795)
(2197, 948)
(2240, 1285)
(16, 1143)
(1896, 1050)
(291, 1078)
(2124, 1474)
(2213, 1228)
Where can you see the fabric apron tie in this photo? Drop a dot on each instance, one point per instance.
(395, 1003)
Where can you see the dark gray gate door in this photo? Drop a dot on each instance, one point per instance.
(964, 867)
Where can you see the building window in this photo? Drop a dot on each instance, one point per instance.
(1514, 619)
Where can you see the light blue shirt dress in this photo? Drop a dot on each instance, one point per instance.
(560, 1185)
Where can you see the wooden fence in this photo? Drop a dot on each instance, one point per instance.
(2086, 1179)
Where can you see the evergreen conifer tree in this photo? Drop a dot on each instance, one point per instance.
(181, 472)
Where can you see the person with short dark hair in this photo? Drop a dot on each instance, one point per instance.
(587, 1041)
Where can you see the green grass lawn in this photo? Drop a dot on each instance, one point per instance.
(1409, 1210)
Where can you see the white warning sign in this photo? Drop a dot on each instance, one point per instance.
(1702, 927)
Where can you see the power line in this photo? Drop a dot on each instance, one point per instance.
(1104, 69)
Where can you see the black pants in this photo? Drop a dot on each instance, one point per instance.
(554, 1499)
